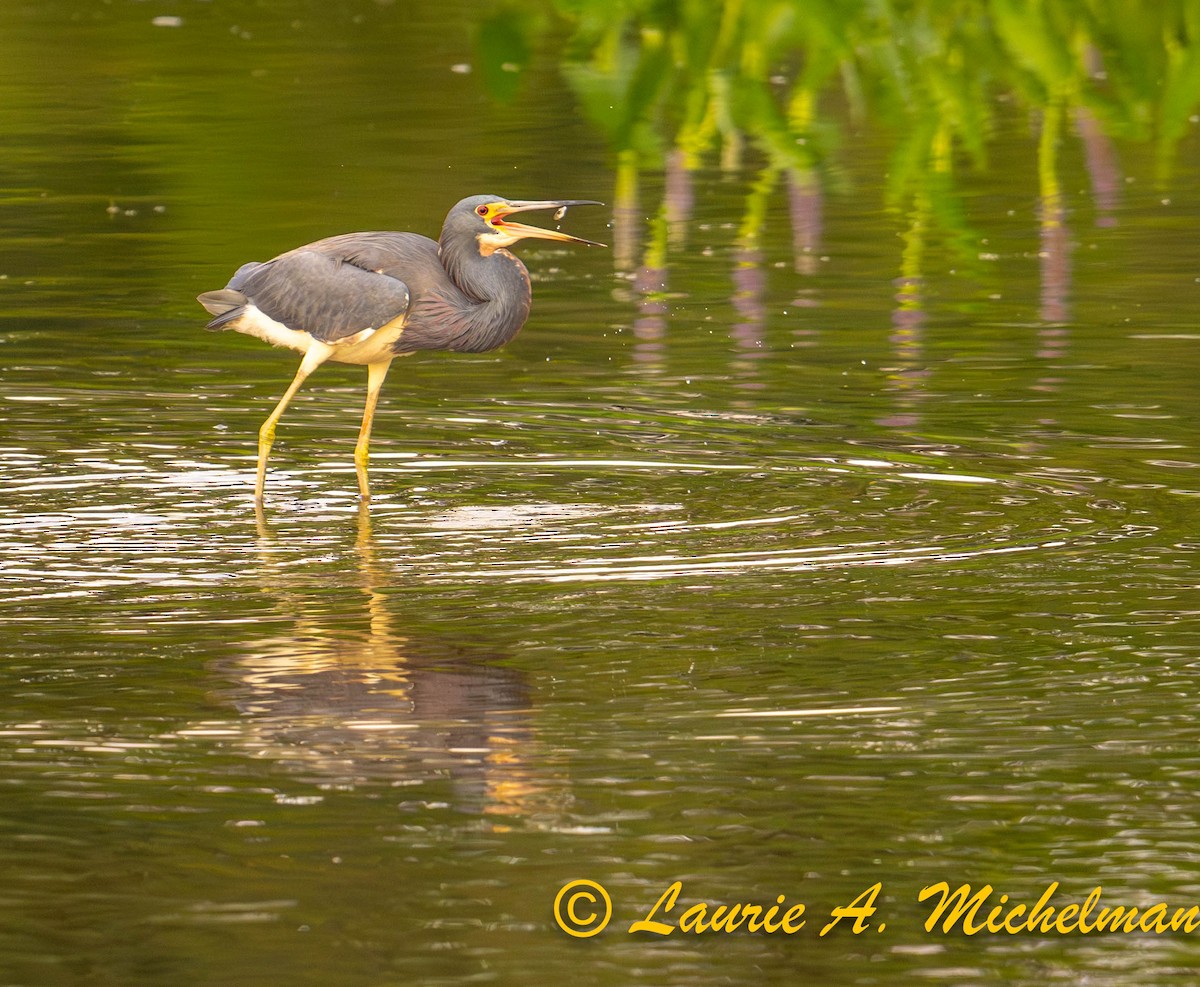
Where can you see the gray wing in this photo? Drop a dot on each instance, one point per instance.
(334, 287)
(322, 293)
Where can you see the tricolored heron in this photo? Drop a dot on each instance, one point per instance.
(367, 298)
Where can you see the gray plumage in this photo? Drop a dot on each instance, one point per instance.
(454, 296)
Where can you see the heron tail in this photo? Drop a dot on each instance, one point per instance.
(228, 303)
(225, 304)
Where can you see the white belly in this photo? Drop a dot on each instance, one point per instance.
(367, 346)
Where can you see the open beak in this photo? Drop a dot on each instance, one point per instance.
(520, 230)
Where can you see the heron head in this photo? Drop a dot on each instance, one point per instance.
(485, 217)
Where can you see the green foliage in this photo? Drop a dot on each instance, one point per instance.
(703, 78)
(698, 68)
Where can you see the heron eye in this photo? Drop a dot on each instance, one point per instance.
(482, 210)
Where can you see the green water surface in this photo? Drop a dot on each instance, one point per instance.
(836, 526)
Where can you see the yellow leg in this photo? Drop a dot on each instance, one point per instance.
(376, 372)
(317, 354)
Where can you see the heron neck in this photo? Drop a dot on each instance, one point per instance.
(496, 295)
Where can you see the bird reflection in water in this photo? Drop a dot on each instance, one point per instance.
(343, 707)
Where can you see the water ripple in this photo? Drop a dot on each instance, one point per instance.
(147, 517)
